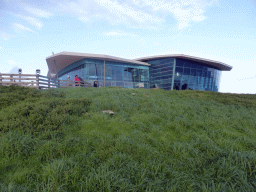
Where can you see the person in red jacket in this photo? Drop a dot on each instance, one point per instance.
(77, 80)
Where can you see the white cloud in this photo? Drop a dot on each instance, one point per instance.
(111, 11)
(11, 62)
(19, 27)
(111, 33)
(78, 8)
(83, 19)
(38, 12)
(139, 13)
(148, 14)
(118, 33)
(8, 65)
(14, 70)
(184, 11)
(33, 21)
(126, 12)
(4, 36)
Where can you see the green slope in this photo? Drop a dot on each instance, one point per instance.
(157, 140)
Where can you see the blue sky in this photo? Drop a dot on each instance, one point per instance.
(221, 30)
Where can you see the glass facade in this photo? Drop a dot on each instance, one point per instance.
(165, 73)
(118, 74)
(180, 74)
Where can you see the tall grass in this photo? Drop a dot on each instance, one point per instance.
(59, 140)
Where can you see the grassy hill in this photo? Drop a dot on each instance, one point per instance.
(157, 140)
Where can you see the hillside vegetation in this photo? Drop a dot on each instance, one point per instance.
(157, 140)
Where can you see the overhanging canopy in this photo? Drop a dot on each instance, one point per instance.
(59, 61)
(221, 66)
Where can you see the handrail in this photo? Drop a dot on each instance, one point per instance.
(38, 81)
(10, 74)
(27, 80)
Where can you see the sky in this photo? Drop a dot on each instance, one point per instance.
(220, 30)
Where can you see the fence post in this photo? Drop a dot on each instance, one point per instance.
(37, 81)
(53, 83)
(11, 79)
(48, 83)
(0, 78)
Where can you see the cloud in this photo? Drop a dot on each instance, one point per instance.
(33, 21)
(184, 11)
(84, 19)
(11, 62)
(111, 11)
(4, 36)
(139, 13)
(150, 14)
(15, 69)
(118, 33)
(22, 15)
(38, 12)
(19, 27)
(126, 12)
(9, 65)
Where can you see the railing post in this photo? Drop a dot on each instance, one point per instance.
(37, 81)
(55, 83)
(11, 79)
(48, 82)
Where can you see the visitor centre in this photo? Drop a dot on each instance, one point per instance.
(168, 72)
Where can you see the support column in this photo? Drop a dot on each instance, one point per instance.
(173, 73)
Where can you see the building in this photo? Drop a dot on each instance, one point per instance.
(166, 71)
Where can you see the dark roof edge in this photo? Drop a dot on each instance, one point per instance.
(221, 66)
(98, 56)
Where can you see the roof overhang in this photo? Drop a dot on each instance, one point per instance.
(59, 61)
(219, 65)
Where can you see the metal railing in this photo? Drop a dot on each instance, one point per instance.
(70, 83)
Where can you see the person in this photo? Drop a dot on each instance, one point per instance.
(95, 84)
(77, 80)
(184, 86)
(82, 82)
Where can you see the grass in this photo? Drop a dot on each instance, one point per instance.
(59, 140)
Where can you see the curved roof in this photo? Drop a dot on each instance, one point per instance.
(221, 66)
(64, 59)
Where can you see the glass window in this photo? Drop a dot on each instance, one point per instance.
(186, 71)
(187, 64)
(179, 70)
(119, 73)
(108, 73)
(193, 72)
(203, 73)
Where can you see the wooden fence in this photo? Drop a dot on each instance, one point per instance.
(37, 81)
